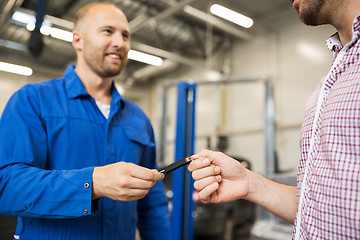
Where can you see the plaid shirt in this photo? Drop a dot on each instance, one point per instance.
(328, 185)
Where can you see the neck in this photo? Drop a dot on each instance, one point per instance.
(344, 30)
(99, 88)
(344, 22)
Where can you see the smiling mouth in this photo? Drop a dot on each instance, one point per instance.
(114, 56)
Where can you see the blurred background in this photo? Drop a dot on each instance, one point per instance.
(189, 41)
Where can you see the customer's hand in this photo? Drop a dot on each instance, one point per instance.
(218, 177)
(123, 181)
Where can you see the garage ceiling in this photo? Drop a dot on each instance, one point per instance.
(173, 30)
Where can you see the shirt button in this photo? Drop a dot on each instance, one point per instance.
(85, 211)
(86, 185)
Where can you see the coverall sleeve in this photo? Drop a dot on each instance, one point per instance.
(27, 188)
(153, 213)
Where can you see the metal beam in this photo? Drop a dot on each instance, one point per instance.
(137, 25)
(13, 45)
(165, 54)
(6, 12)
(217, 23)
(54, 20)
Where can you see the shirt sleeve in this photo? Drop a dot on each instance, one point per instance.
(27, 188)
(153, 214)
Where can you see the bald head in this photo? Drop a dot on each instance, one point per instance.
(83, 13)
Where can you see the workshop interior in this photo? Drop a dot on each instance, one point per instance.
(230, 76)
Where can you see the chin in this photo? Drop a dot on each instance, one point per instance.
(310, 22)
(112, 72)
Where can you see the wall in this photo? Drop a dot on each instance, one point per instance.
(9, 83)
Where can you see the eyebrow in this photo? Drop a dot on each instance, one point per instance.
(112, 27)
(127, 32)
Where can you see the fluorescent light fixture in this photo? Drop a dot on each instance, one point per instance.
(45, 30)
(61, 34)
(231, 16)
(29, 21)
(145, 58)
(23, 18)
(54, 32)
(17, 69)
(30, 26)
(212, 75)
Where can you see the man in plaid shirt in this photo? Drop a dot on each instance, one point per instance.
(326, 202)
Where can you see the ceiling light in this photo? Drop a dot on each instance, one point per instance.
(30, 26)
(145, 58)
(45, 30)
(17, 69)
(61, 34)
(231, 16)
(23, 18)
(27, 20)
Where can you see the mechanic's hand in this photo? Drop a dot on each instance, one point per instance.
(123, 181)
(218, 177)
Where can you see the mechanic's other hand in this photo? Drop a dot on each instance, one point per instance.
(123, 181)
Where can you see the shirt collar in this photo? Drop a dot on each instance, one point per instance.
(116, 97)
(334, 43)
(75, 88)
(73, 85)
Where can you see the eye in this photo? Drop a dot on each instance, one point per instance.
(108, 30)
(126, 36)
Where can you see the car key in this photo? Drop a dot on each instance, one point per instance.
(176, 165)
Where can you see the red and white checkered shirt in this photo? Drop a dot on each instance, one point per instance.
(328, 184)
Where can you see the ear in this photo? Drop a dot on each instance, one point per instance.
(77, 40)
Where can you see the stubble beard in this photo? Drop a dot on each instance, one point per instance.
(103, 69)
(109, 71)
(310, 15)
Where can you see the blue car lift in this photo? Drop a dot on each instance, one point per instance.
(182, 182)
